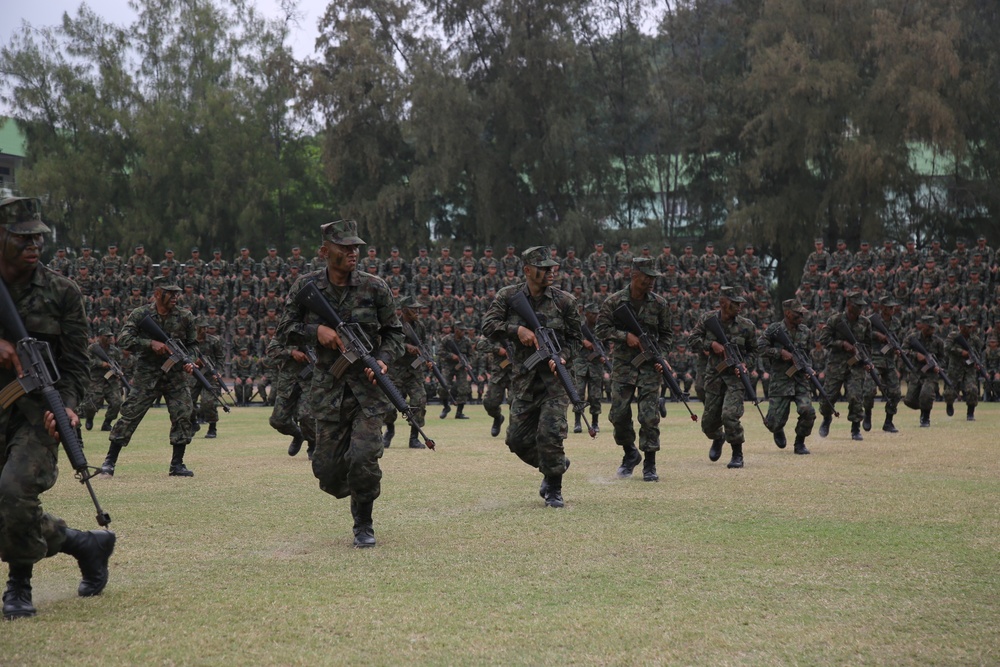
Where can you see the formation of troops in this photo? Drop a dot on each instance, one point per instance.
(341, 344)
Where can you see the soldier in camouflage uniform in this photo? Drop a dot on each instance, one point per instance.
(212, 353)
(884, 358)
(104, 384)
(922, 386)
(350, 409)
(588, 372)
(538, 409)
(842, 368)
(244, 370)
(787, 389)
(960, 369)
(408, 378)
(991, 362)
(723, 389)
(150, 380)
(641, 381)
(453, 370)
(52, 310)
(290, 415)
(499, 368)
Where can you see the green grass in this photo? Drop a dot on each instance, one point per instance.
(881, 552)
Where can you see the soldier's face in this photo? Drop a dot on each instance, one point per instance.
(21, 251)
(642, 282)
(341, 257)
(166, 299)
(539, 276)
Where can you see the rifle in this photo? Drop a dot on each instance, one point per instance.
(40, 373)
(452, 347)
(733, 360)
(424, 358)
(930, 363)
(626, 317)
(859, 353)
(304, 375)
(356, 347)
(800, 362)
(599, 350)
(891, 342)
(214, 373)
(114, 368)
(178, 354)
(973, 359)
(548, 350)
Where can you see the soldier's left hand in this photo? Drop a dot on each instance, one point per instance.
(631, 340)
(189, 368)
(49, 421)
(371, 375)
(658, 367)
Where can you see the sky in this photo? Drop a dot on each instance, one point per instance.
(40, 13)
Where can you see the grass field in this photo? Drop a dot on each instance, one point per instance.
(881, 552)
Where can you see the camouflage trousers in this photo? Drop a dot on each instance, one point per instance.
(620, 416)
(537, 425)
(290, 415)
(891, 391)
(591, 382)
(498, 386)
(348, 448)
(262, 386)
(723, 408)
(244, 389)
(27, 470)
(852, 379)
(779, 407)
(963, 378)
(411, 386)
(920, 391)
(203, 401)
(100, 392)
(461, 386)
(146, 388)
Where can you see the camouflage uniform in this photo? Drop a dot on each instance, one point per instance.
(884, 359)
(922, 386)
(290, 415)
(409, 379)
(499, 368)
(104, 386)
(991, 362)
(588, 375)
(204, 401)
(962, 373)
(244, 369)
(784, 389)
(840, 372)
(453, 371)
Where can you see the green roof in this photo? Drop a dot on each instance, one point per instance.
(12, 141)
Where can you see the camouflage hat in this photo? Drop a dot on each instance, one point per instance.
(731, 294)
(244, 348)
(592, 307)
(408, 302)
(164, 283)
(857, 299)
(22, 215)
(793, 305)
(645, 265)
(888, 302)
(538, 256)
(929, 320)
(342, 232)
(105, 330)
(965, 321)
(201, 322)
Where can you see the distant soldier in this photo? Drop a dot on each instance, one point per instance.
(138, 259)
(923, 385)
(842, 368)
(244, 370)
(885, 361)
(453, 371)
(786, 389)
(962, 373)
(212, 351)
(589, 373)
(407, 378)
(60, 263)
(105, 386)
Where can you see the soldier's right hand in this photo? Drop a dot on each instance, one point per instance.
(159, 348)
(527, 337)
(328, 337)
(718, 348)
(9, 358)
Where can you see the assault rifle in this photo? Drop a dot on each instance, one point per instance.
(424, 358)
(452, 347)
(548, 350)
(599, 351)
(356, 347)
(860, 356)
(214, 373)
(40, 373)
(626, 317)
(304, 376)
(178, 354)
(931, 364)
(733, 360)
(891, 342)
(800, 363)
(973, 359)
(114, 368)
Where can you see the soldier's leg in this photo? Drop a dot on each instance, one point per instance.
(649, 416)
(522, 429)
(949, 395)
(113, 396)
(806, 413)
(493, 398)
(711, 416)
(552, 431)
(329, 464)
(732, 412)
(594, 393)
(778, 408)
(912, 398)
(145, 390)
(414, 388)
(463, 394)
(971, 390)
(620, 415)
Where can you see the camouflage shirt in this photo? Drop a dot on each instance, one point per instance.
(177, 324)
(654, 317)
(781, 383)
(740, 331)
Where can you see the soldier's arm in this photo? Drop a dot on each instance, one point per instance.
(606, 328)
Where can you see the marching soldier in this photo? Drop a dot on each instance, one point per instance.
(843, 368)
(786, 389)
(409, 380)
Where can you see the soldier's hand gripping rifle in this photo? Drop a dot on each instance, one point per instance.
(356, 347)
(214, 373)
(40, 373)
(800, 363)
(733, 360)
(549, 350)
(304, 376)
(931, 364)
(599, 351)
(425, 359)
(891, 342)
(973, 359)
(860, 356)
(178, 354)
(114, 368)
(452, 347)
(626, 318)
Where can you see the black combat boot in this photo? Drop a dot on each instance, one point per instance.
(856, 431)
(661, 404)
(630, 460)
(594, 418)
(295, 446)
(970, 413)
(414, 440)
(715, 451)
(949, 408)
(866, 423)
(459, 414)
(92, 549)
(888, 426)
(390, 430)
(824, 428)
(497, 422)
(553, 491)
(800, 445)
(106, 426)
(212, 433)
(17, 597)
(577, 426)
(177, 467)
(444, 411)
(544, 488)
(89, 424)
(737, 460)
(649, 468)
(925, 418)
(779, 438)
(364, 532)
(108, 468)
